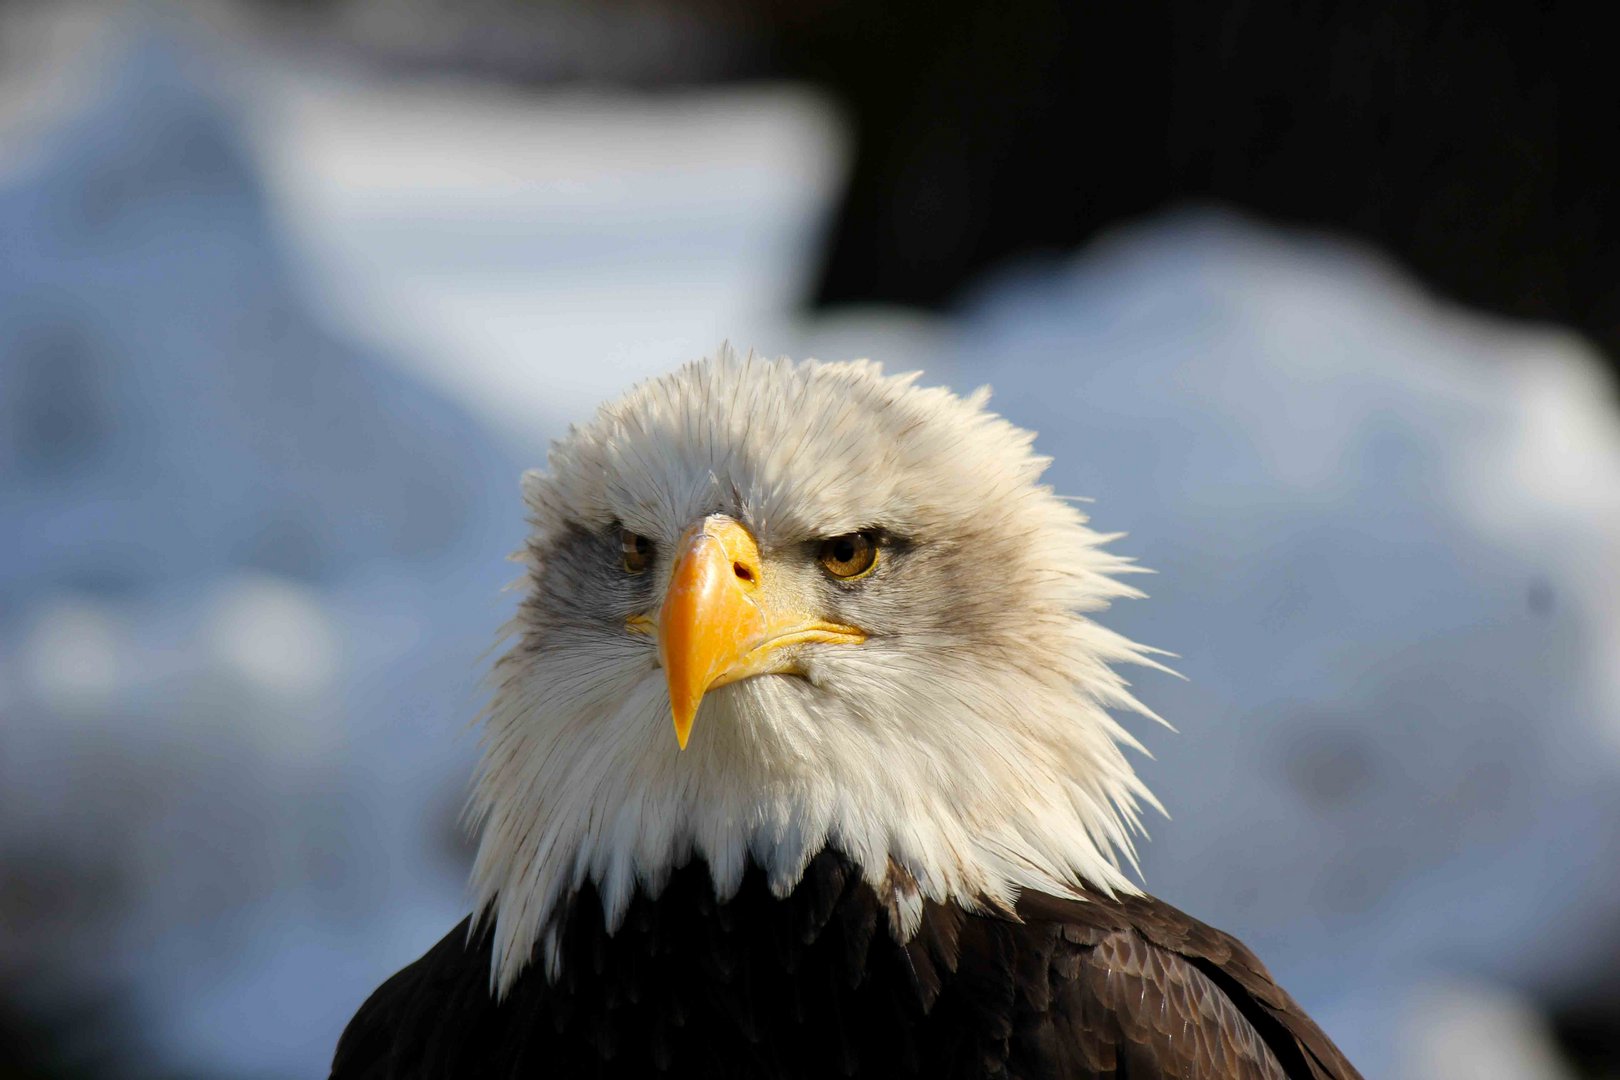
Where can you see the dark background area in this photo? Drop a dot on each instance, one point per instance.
(1473, 142)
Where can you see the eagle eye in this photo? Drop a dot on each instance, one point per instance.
(638, 551)
(849, 556)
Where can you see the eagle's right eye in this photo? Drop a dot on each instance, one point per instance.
(638, 551)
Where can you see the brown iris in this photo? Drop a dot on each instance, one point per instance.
(638, 551)
(849, 556)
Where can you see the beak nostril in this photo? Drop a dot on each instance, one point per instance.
(743, 572)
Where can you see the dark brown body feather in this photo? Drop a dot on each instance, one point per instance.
(813, 985)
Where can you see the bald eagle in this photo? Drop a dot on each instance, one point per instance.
(893, 832)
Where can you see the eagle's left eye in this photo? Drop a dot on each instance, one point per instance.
(638, 551)
(849, 556)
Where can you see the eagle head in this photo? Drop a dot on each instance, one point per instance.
(774, 607)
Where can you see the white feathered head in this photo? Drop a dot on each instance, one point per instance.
(867, 620)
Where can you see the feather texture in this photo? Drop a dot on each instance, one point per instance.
(808, 985)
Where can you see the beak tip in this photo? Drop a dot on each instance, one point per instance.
(683, 729)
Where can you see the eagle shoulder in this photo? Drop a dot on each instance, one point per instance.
(402, 1028)
(1141, 988)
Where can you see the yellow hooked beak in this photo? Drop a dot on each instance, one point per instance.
(722, 622)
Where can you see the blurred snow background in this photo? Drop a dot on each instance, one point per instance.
(277, 336)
